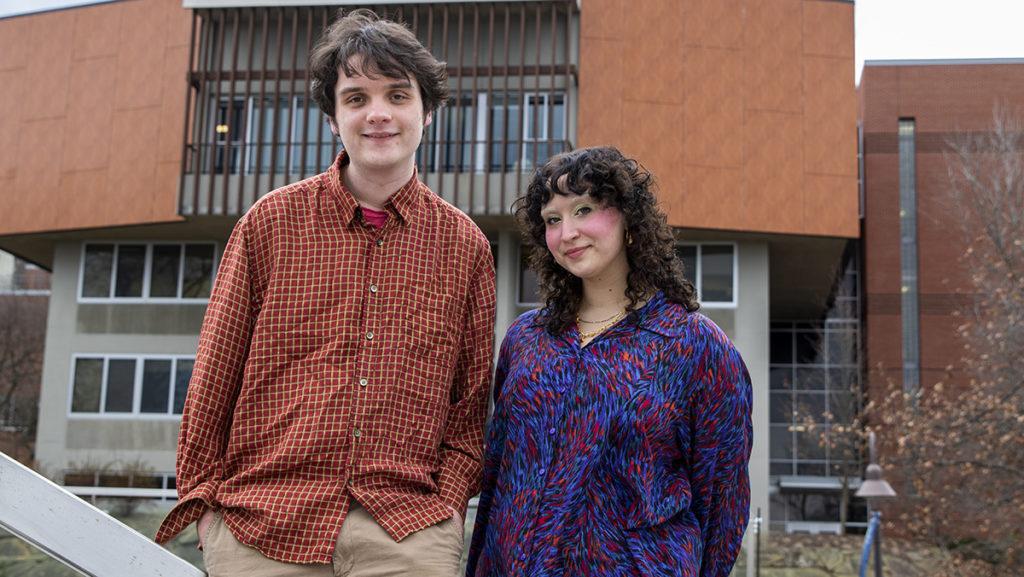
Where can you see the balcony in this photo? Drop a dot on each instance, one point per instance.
(251, 125)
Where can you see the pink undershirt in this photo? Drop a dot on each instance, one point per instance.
(375, 218)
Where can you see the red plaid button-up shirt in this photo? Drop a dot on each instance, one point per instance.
(338, 361)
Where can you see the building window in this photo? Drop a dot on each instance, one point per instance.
(814, 510)
(909, 306)
(254, 133)
(496, 132)
(119, 385)
(528, 287)
(315, 150)
(711, 267)
(147, 272)
(543, 128)
(814, 376)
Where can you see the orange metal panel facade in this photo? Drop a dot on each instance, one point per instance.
(92, 100)
(745, 110)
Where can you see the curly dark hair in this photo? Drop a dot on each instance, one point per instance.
(613, 180)
(384, 48)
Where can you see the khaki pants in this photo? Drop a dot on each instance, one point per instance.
(363, 549)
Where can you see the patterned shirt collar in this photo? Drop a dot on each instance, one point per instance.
(661, 317)
(405, 203)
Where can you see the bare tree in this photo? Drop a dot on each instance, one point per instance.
(22, 335)
(959, 443)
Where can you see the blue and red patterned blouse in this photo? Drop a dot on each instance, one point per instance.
(627, 457)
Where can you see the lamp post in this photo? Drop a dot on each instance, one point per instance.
(873, 488)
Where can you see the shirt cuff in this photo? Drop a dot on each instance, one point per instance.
(188, 510)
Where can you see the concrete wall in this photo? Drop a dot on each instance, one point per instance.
(751, 338)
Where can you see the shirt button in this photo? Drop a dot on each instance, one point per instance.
(363, 382)
(542, 470)
(357, 433)
(373, 288)
(551, 431)
(380, 242)
(522, 557)
(369, 335)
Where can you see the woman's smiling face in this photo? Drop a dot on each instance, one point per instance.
(586, 237)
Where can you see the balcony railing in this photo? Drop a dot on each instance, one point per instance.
(251, 125)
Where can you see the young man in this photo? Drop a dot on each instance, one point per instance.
(334, 421)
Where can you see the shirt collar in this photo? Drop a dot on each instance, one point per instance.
(662, 316)
(404, 203)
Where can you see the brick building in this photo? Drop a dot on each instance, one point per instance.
(913, 244)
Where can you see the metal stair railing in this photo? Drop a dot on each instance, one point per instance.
(74, 532)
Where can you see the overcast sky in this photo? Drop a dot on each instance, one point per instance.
(885, 29)
(920, 29)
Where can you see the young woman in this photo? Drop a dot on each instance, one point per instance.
(621, 428)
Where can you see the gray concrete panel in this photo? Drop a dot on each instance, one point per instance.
(123, 434)
(142, 319)
(752, 339)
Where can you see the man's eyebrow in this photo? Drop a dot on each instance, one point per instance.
(393, 86)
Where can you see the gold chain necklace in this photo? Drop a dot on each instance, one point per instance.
(609, 319)
(586, 336)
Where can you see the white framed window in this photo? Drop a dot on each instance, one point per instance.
(150, 386)
(713, 269)
(544, 127)
(146, 272)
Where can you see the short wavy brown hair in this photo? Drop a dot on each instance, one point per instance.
(382, 48)
(613, 180)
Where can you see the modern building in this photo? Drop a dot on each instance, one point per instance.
(916, 282)
(150, 126)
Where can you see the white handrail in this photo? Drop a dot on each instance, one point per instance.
(74, 532)
(128, 492)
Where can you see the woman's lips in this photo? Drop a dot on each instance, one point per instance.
(575, 252)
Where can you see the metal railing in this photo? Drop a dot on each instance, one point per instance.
(74, 532)
(250, 123)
